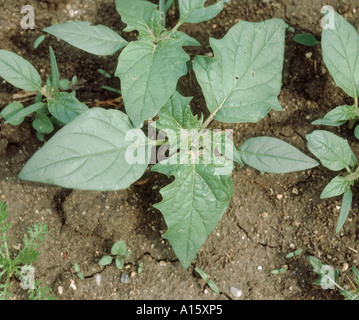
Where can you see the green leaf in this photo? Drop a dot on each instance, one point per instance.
(176, 114)
(95, 151)
(39, 40)
(19, 72)
(345, 208)
(241, 83)
(306, 39)
(337, 116)
(213, 286)
(120, 263)
(25, 112)
(193, 11)
(149, 73)
(333, 152)
(64, 84)
(65, 107)
(272, 155)
(42, 124)
(142, 16)
(77, 267)
(186, 39)
(192, 205)
(105, 260)
(55, 75)
(356, 131)
(119, 248)
(340, 47)
(99, 40)
(10, 110)
(316, 264)
(336, 187)
(203, 275)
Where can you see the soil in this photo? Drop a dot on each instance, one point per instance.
(268, 217)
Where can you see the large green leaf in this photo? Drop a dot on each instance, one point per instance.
(340, 47)
(142, 16)
(65, 107)
(192, 205)
(272, 155)
(99, 40)
(333, 152)
(93, 152)
(193, 11)
(241, 83)
(149, 73)
(19, 72)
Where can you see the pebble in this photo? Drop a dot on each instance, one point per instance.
(235, 292)
(279, 196)
(60, 289)
(125, 278)
(72, 284)
(295, 191)
(98, 279)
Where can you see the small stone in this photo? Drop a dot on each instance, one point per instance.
(125, 278)
(345, 267)
(60, 289)
(260, 268)
(295, 191)
(98, 279)
(308, 55)
(72, 284)
(235, 292)
(279, 196)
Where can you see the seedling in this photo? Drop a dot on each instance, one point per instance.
(294, 253)
(209, 282)
(140, 267)
(19, 265)
(341, 56)
(278, 271)
(78, 271)
(119, 253)
(149, 68)
(103, 150)
(335, 154)
(52, 104)
(329, 278)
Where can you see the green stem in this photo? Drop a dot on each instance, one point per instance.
(162, 8)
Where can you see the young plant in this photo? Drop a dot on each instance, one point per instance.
(209, 282)
(149, 67)
(14, 266)
(103, 150)
(52, 105)
(340, 46)
(78, 271)
(119, 252)
(335, 154)
(329, 278)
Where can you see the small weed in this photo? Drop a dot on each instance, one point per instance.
(20, 265)
(119, 252)
(209, 282)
